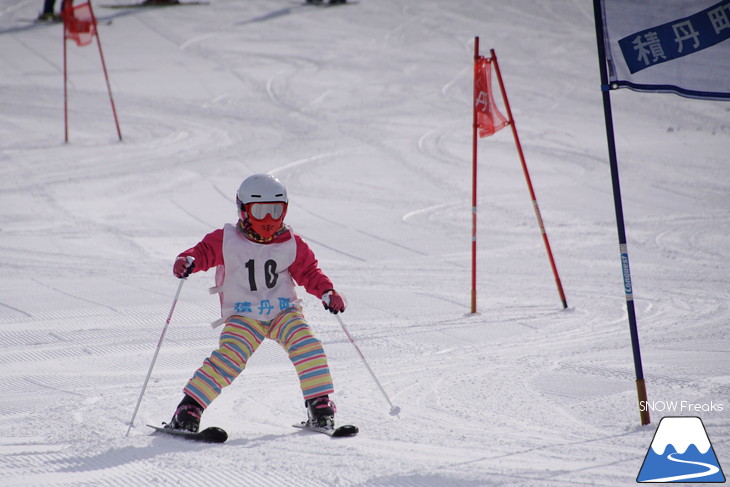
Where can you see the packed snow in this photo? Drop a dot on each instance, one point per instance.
(364, 112)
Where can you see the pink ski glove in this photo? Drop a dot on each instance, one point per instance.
(333, 302)
(183, 266)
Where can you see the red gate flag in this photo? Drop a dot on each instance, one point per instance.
(79, 23)
(489, 119)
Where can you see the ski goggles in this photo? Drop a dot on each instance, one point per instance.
(260, 210)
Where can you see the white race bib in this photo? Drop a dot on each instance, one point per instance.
(254, 280)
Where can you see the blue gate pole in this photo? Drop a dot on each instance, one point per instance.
(628, 290)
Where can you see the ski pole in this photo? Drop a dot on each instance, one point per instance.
(394, 410)
(157, 351)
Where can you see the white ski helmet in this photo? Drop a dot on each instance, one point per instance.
(262, 203)
(261, 188)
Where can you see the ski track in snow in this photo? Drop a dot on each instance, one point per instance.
(364, 112)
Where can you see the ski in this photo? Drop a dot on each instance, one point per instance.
(340, 431)
(58, 20)
(208, 435)
(156, 5)
(326, 3)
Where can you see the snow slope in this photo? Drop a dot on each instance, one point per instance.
(364, 112)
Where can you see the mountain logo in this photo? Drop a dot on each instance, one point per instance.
(681, 452)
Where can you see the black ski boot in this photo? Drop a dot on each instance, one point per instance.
(48, 17)
(187, 415)
(321, 411)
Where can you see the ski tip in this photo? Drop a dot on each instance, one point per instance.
(346, 430)
(340, 431)
(211, 434)
(215, 434)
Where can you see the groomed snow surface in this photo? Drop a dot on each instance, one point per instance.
(364, 112)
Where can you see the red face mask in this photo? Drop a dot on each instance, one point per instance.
(266, 218)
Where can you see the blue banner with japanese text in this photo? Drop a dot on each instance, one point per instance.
(678, 46)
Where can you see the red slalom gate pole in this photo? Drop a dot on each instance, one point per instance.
(106, 74)
(527, 178)
(65, 88)
(474, 192)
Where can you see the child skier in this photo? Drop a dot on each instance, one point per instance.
(258, 260)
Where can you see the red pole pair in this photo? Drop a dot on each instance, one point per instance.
(511, 122)
(69, 22)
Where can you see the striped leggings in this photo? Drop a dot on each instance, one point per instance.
(241, 337)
